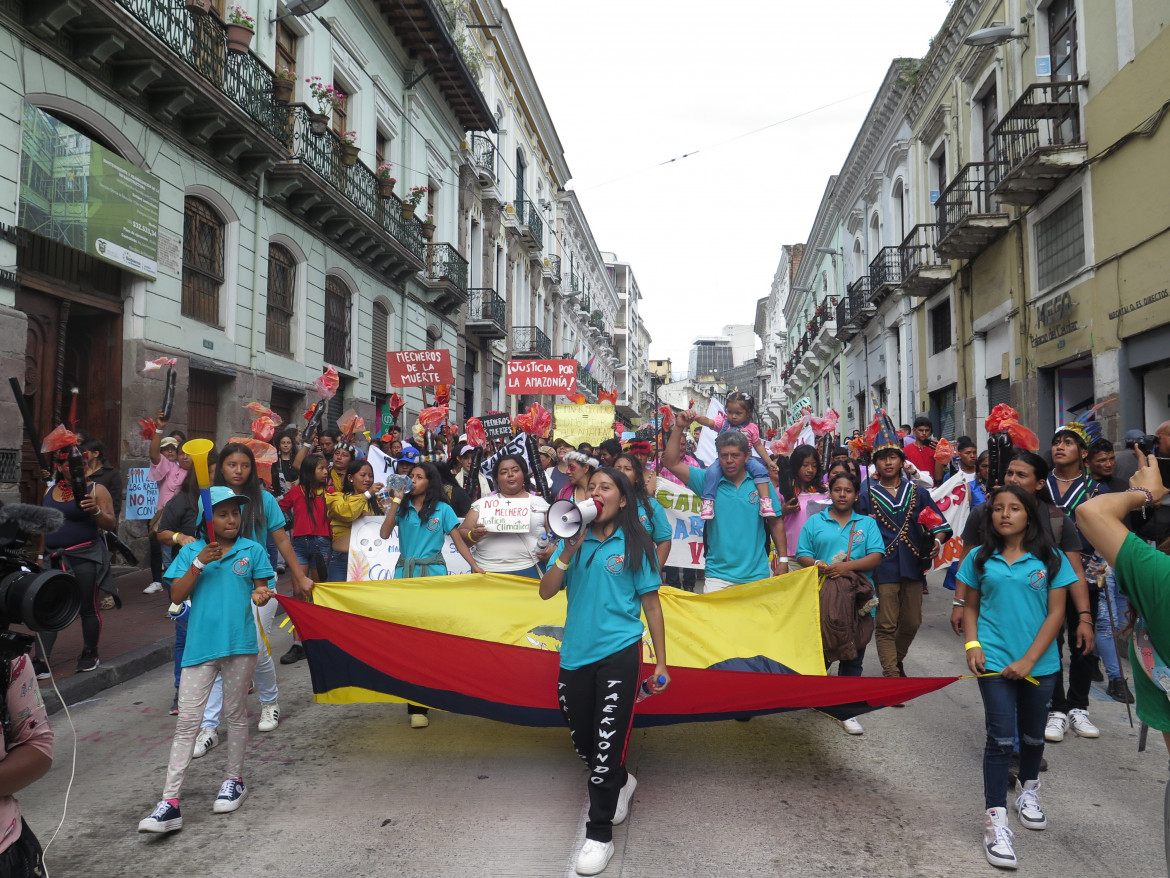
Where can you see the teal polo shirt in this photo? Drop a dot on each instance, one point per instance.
(823, 539)
(657, 525)
(221, 623)
(604, 599)
(418, 538)
(735, 536)
(1013, 604)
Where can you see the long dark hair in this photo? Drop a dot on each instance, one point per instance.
(1040, 467)
(307, 477)
(351, 470)
(435, 493)
(253, 522)
(800, 454)
(1036, 539)
(639, 545)
(639, 482)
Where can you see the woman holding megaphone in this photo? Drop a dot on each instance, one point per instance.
(609, 570)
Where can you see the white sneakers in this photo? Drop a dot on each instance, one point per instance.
(852, 726)
(1078, 721)
(1056, 726)
(419, 721)
(594, 856)
(204, 741)
(623, 805)
(153, 588)
(997, 839)
(1028, 805)
(269, 717)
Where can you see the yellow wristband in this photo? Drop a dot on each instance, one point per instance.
(560, 565)
(470, 537)
(175, 538)
(395, 500)
(973, 644)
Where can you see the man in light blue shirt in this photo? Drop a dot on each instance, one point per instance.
(735, 536)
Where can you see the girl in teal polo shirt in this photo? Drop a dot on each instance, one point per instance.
(650, 511)
(1017, 583)
(610, 572)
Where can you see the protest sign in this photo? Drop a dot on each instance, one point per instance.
(381, 463)
(584, 423)
(541, 376)
(953, 498)
(419, 368)
(371, 557)
(686, 527)
(141, 495)
(503, 515)
(496, 426)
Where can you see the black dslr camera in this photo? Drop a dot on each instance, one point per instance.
(1146, 443)
(43, 600)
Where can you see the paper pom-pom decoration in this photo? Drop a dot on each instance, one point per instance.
(262, 411)
(944, 452)
(443, 394)
(476, 435)
(327, 384)
(263, 428)
(790, 436)
(433, 418)
(350, 423)
(58, 439)
(147, 428)
(1004, 419)
(929, 519)
(157, 363)
(668, 418)
(264, 453)
(826, 425)
(536, 421)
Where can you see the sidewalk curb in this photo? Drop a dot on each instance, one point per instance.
(119, 670)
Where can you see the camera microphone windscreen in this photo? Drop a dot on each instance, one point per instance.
(32, 519)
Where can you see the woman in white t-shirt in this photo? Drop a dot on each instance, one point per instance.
(488, 526)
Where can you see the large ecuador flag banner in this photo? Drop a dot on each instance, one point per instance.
(486, 645)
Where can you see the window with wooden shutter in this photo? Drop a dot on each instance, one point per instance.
(202, 405)
(286, 49)
(203, 233)
(341, 112)
(282, 272)
(338, 301)
(378, 348)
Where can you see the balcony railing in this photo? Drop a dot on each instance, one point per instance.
(530, 341)
(885, 272)
(446, 265)
(860, 306)
(486, 312)
(483, 152)
(323, 153)
(968, 213)
(574, 282)
(587, 382)
(554, 268)
(201, 41)
(529, 218)
(923, 270)
(1039, 141)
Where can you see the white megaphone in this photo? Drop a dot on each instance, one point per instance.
(567, 519)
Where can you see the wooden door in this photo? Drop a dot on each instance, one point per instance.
(45, 336)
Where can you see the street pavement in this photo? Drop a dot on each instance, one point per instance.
(353, 790)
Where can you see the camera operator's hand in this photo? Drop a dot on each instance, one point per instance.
(1149, 477)
(210, 552)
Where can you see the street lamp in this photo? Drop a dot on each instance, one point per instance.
(992, 36)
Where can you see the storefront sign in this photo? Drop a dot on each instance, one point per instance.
(1148, 300)
(591, 423)
(557, 377)
(80, 194)
(1057, 317)
(419, 368)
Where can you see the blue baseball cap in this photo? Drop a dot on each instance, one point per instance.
(409, 455)
(221, 494)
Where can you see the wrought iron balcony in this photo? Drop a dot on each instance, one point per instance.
(860, 304)
(483, 153)
(924, 272)
(969, 218)
(446, 276)
(885, 273)
(531, 225)
(530, 342)
(486, 313)
(347, 209)
(554, 269)
(1040, 142)
(574, 282)
(584, 304)
(586, 383)
(846, 319)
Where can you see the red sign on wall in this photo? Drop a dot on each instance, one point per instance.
(419, 368)
(541, 376)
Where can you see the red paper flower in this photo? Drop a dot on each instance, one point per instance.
(930, 519)
(668, 418)
(149, 428)
(327, 384)
(433, 418)
(476, 435)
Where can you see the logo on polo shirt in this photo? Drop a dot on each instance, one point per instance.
(240, 568)
(1037, 579)
(754, 498)
(615, 564)
(433, 524)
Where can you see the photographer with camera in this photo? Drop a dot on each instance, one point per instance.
(78, 547)
(1142, 573)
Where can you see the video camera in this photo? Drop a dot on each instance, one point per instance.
(43, 600)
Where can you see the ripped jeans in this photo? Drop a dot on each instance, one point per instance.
(1008, 706)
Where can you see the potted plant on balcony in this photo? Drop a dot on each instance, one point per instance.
(328, 99)
(239, 30)
(198, 7)
(282, 84)
(428, 226)
(411, 202)
(385, 180)
(349, 149)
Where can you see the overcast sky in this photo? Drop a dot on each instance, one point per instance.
(631, 84)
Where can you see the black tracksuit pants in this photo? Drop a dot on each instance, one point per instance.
(597, 701)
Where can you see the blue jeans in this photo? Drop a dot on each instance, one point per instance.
(755, 468)
(1008, 705)
(338, 566)
(306, 548)
(1106, 648)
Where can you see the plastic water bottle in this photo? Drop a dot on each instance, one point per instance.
(649, 687)
(542, 543)
(177, 611)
